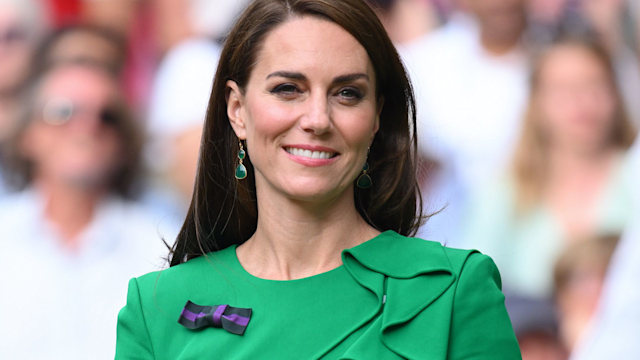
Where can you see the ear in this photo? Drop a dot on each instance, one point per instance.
(235, 109)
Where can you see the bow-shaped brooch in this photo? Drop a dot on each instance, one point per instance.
(232, 319)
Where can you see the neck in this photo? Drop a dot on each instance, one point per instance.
(498, 45)
(295, 239)
(573, 169)
(574, 160)
(69, 209)
(574, 186)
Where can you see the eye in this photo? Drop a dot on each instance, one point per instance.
(58, 111)
(287, 90)
(350, 94)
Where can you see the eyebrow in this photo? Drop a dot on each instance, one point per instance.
(300, 76)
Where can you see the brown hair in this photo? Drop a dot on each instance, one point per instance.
(531, 155)
(44, 56)
(223, 211)
(123, 181)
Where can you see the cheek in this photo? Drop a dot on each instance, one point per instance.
(605, 108)
(38, 142)
(560, 111)
(265, 120)
(357, 126)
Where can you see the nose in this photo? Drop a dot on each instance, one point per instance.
(87, 120)
(317, 116)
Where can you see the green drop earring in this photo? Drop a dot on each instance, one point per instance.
(241, 170)
(364, 180)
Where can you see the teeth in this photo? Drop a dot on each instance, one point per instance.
(309, 153)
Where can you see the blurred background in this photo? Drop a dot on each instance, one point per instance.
(527, 115)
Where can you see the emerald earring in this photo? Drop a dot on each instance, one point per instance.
(364, 180)
(241, 170)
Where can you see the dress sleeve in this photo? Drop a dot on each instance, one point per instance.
(133, 340)
(480, 327)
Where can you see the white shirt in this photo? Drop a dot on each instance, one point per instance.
(182, 87)
(56, 304)
(469, 108)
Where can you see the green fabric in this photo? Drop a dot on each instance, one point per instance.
(394, 297)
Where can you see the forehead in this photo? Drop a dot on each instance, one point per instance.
(312, 45)
(570, 60)
(79, 84)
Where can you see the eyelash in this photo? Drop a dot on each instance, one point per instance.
(285, 89)
(353, 93)
(347, 93)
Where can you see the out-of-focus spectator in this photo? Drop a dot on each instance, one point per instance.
(568, 178)
(70, 238)
(613, 333)
(470, 79)
(406, 20)
(21, 26)
(116, 15)
(179, 98)
(177, 109)
(611, 21)
(578, 279)
(536, 325)
(82, 43)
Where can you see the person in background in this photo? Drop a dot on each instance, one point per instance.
(72, 236)
(613, 331)
(406, 20)
(82, 43)
(579, 275)
(177, 108)
(179, 96)
(536, 325)
(567, 180)
(470, 78)
(21, 27)
(611, 21)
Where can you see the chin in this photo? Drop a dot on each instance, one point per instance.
(315, 192)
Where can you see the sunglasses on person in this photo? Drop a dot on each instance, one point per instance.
(59, 111)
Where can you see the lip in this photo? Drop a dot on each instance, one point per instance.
(309, 161)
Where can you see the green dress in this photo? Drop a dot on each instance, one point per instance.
(394, 297)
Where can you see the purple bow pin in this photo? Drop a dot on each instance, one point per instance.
(232, 319)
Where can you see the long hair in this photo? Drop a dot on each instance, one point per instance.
(531, 156)
(223, 210)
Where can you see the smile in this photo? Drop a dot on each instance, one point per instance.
(311, 154)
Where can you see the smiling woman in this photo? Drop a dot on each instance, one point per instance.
(311, 99)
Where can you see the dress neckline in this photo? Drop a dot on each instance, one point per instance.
(329, 274)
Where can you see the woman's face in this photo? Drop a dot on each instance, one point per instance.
(576, 98)
(73, 138)
(309, 110)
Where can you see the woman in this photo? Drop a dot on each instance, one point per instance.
(307, 257)
(567, 180)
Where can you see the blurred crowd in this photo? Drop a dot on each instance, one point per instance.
(527, 113)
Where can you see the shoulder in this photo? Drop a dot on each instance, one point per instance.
(19, 200)
(19, 212)
(401, 256)
(432, 290)
(212, 269)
